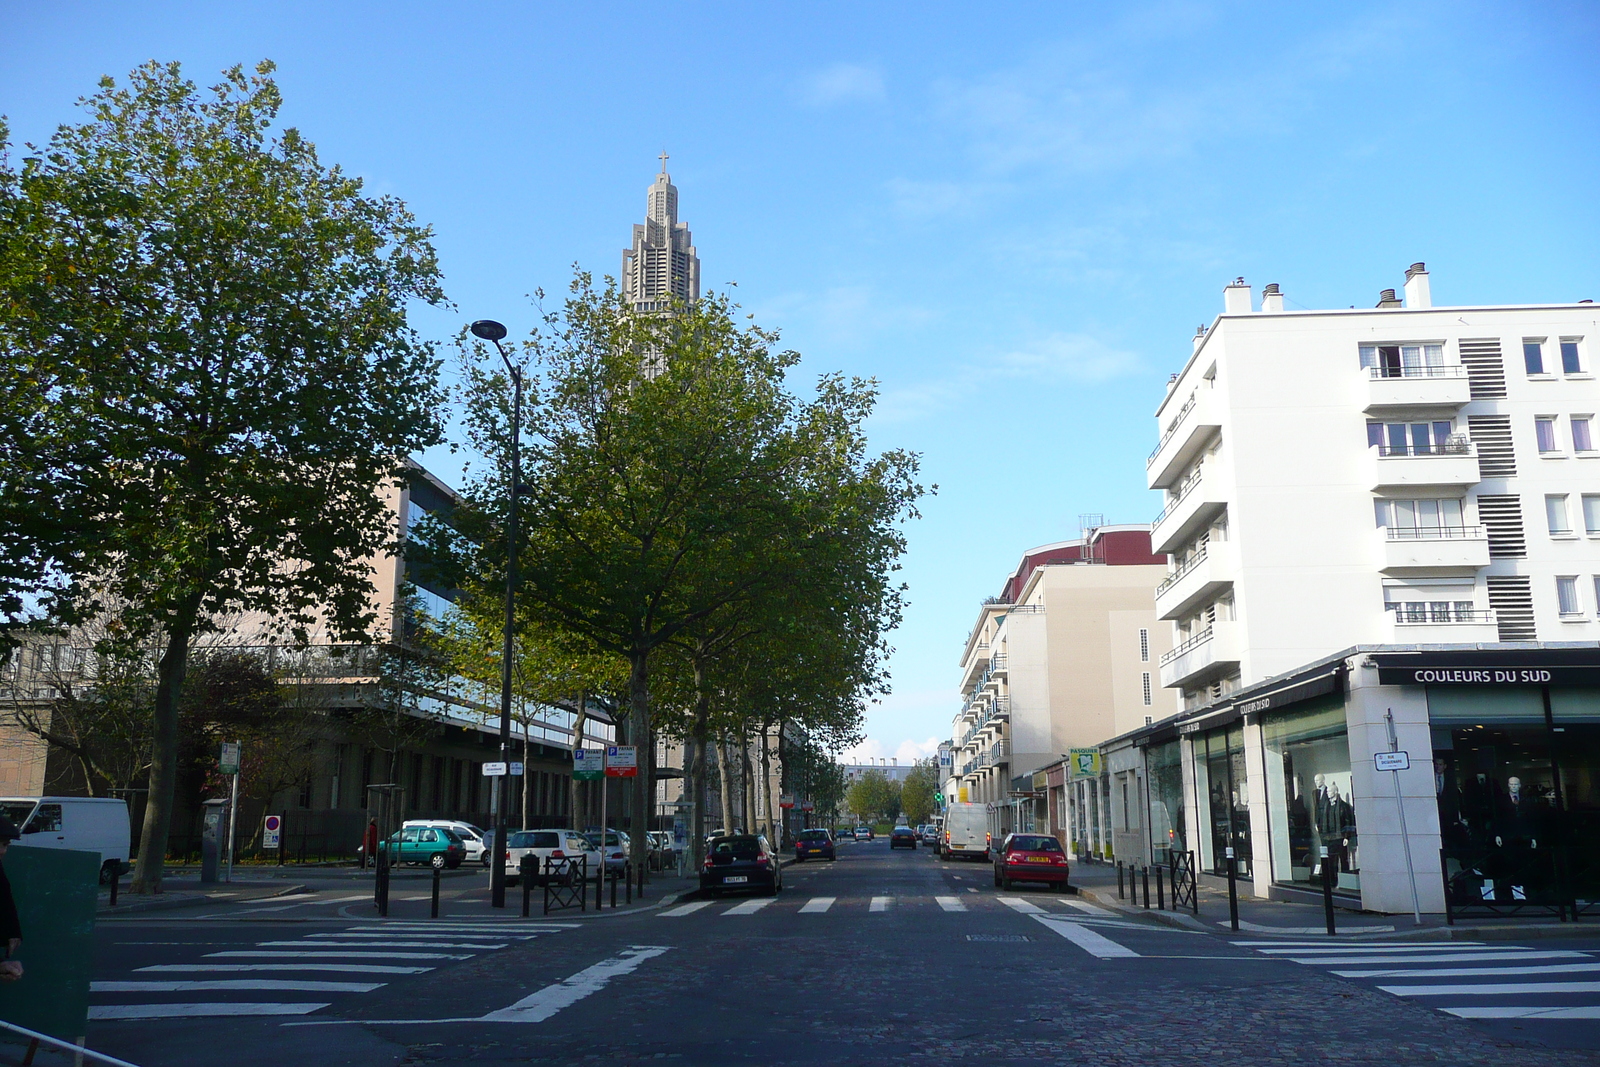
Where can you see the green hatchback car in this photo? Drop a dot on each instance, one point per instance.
(431, 845)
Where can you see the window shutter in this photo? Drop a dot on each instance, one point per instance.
(1492, 435)
(1511, 598)
(1486, 368)
(1501, 517)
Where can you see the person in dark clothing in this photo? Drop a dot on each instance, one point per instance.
(10, 925)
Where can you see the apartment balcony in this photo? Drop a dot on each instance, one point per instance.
(1442, 624)
(1201, 579)
(1197, 421)
(1209, 654)
(1432, 548)
(976, 663)
(1200, 502)
(1417, 387)
(1452, 463)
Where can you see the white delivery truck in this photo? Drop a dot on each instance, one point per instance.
(87, 824)
(966, 832)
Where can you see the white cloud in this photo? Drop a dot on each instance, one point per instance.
(906, 752)
(842, 83)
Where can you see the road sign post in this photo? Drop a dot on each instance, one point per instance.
(230, 765)
(272, 835)
(1395, 761)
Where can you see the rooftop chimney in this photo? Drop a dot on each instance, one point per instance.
(1418, 293)
(1387, 299)
(1199, 339)
(1271, 298)
(1236, 298)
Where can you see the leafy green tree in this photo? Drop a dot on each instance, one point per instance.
(217, 321)
(873, 796)
(917, 790)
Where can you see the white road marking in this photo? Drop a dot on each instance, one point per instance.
(501, 928)
(687, 909)
(233, 968)
(272, 955)
(1257, 928)
(1362, 945)
(234, 983)
(1490, 989)
(1469, 972)
(951, 903)
(1086, 939)
(538, 1007)
(817, 905)
(300, 899)
(1473, 957)
(1357, 950)
(1588, 1011)
(1092, 909)
(749, 907)
(412, 935)
(1022, 907)
(104, 1012)
(971, 890)
(880, 904)
(375, 944)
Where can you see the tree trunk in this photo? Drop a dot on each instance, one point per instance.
(164, 750)
(639, 736)
(577, 743)
(695, 778)
(766, 790)
(747, 783)
(725, 783)
(526, 810)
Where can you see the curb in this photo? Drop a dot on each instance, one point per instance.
(166, 903)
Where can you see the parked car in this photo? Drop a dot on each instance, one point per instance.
(903, 837)
(1030, 858)
(741, 861)
(966, 832)
(930, 835)
(86, 824)
(426, 845)
(617, 848)
(818, 843)
(863, 833)
(545, 845)
(660, 849)
(471, 836)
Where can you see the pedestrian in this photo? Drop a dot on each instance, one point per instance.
(369, 850)
(10, 925)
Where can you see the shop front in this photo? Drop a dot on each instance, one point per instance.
(1222, 795)
(1163, 762)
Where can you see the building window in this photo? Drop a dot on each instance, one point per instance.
(1533, 354)
(1144, 649)
(1555, 510)
(1596, 601)
(1413, 438)
(1420, 519)
(1147, 689)
(1591, 514)
(1582, 434)
(1567, 596)
(1544, 430)
(1402, 361)
(1570, 364)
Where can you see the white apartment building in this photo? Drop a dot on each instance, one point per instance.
(1065, 656)
(1385, 532)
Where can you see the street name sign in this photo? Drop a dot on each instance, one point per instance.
(622, 761)
(1391, 761)
(494, 770)
(516, 770)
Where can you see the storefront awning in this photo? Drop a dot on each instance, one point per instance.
(1486, 667)
(1293, 692)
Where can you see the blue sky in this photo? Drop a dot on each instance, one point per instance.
(1012, 216)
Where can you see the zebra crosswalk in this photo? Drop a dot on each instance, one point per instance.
(1467, 979)
(1075, 911)
(299, 976)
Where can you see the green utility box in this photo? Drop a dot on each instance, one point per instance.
(57, 891)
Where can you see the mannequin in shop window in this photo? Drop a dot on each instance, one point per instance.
(1478, 807)
(1518, 826)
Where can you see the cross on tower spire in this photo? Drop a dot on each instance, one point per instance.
(663, 157)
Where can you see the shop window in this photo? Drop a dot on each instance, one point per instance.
(1223, 789)
(1164, 780)
(1309, 798)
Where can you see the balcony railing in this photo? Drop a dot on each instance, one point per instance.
(1454, 445)
(1188, 646)
(1183, 413)
(1177, 576)
(1434, 533)
(1188, 487)
(1025, 609)
(1419, 372)
(998, 662)
(1438, 613)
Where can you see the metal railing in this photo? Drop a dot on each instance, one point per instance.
(1183, 494)
(1453, 371)
(1188, 646)
(1026, 609)
(998, 662)
(1434, 533)
(1454, 445)
(1435, 613)
(1188, 565)
(1177, 422)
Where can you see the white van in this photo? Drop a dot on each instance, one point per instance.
(88, 824)
(470, 835)
(966, 832)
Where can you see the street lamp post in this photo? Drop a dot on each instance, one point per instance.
(494, 332)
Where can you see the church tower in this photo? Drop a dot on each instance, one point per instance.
(662, 265)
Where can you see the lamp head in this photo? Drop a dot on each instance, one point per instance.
(488, 329)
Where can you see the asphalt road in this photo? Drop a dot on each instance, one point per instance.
(881, 957)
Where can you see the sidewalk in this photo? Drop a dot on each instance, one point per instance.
(1292, 919)
(181, 893)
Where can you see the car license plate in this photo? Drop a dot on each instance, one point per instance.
(958, 846)
(733, 878)
(1038, 859)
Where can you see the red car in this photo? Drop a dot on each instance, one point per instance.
(1030, 858)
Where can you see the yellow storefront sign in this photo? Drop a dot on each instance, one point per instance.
(1086, 763)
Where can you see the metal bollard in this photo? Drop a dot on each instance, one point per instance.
(1119, 880)
(1327, 891)
(381, 886)
(1161, 899)
(600, 886)
(627, 872)
(116, 877)
(613, 891)
(435, 904)
(1147, 888)
(1233, 892)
